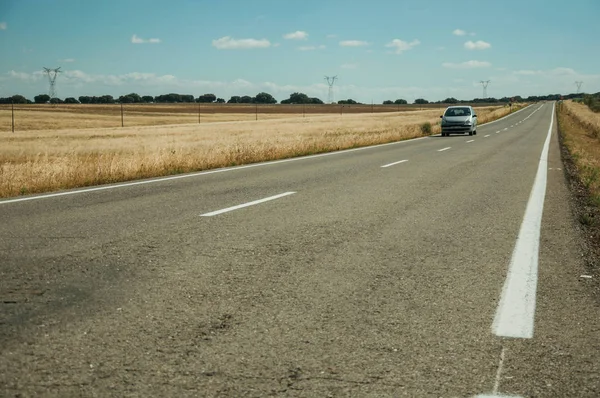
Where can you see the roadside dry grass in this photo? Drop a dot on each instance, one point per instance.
(44, 160)
(581, 135)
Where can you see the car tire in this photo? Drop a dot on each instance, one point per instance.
(470, 133)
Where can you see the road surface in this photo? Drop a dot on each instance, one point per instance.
(437, 267)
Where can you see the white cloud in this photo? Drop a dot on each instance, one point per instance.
(138, 40)
(3, 26)
(297, 35)
(67, 60)
(563, 71)
(353, 43)
(311, 48)
(229, 43)
(349, 66)
(467, 65)
(331, 36)
(477, 45)
(459, 32)
(400, 46)
(26, 77)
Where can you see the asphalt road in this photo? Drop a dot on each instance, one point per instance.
(411, 269)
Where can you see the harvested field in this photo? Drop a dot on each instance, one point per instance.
(37, 161)
(66, 116)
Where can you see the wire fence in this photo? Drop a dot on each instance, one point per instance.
(24, 117)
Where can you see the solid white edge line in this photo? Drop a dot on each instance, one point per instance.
(516, 310)
(395, 163)
(200, 173)
(486, 136)
(470, 141)
(443, 149)
(255, 202)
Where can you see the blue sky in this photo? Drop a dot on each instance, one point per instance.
(381, 49)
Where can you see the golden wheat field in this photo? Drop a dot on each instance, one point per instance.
(42, 160)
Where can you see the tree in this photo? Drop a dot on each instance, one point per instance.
(349, 101)
(56, 100)
(18, 99)
(71, 100)
(126, 99)
(421, 101)
(301, 98)
(450, 100)
(105, 99)
(220, 101)
(264, 98)
(207, 98)
(246, 99)
(388, 102)
(234, 99)
(168, 98)
(41, 99)
(147, 98)
(187, 98)
(401, 102)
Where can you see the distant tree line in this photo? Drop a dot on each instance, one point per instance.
(261, 98)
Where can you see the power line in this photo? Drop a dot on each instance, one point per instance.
(484, 84)
(52, 75)
(330, 81)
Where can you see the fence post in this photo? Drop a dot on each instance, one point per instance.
(256, 110)
(198, 112)
(122, 121)
(12, 107)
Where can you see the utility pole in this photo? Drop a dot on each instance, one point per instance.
(330, 81)
(484, 84)
(52, 75)
(12, 107)
(578, 84)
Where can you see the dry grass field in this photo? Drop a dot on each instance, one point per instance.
(581, 134)
(64, 116)
(42, 160)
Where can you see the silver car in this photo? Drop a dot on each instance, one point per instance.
(459, 120)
